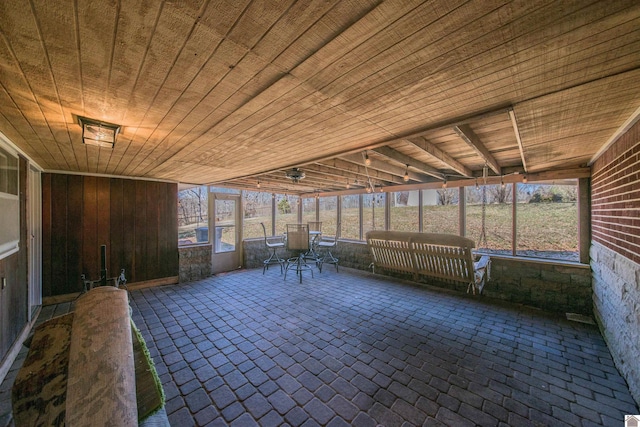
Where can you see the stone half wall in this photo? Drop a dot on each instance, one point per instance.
(616, 300)
(351, 254)
(559, 287)
(195, 262)
(550, 286)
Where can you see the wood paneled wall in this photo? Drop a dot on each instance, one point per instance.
(14, 298)
(615, 196)
(137, 220)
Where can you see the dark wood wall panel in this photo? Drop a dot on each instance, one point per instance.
(46, 234)
(116, 221)
(128, 230)
(140, 221)
(151, 224)
(9, 268)
(168, 211)
(615, 196)
(74, 231)
(14, 297)
(90, 254)
(59, 222)
(80, 213)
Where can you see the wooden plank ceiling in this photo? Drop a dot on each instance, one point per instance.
(236, 92)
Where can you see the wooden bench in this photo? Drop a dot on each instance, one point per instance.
(445, 257)
(90, 367)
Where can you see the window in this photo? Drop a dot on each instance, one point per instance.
(350, 217)
(193, 216)
(546, 216)
(308, 209)
(328, 211)
(9, 202)
(403, 211)
(497, 213)
(257, 209)
(440, 211)
(225, 210)
(286, 211)
(373, 212)
(547, 220)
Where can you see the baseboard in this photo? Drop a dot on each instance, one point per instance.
(57, 299)
(152, 283)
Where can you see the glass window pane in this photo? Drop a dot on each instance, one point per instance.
(547, 221)
(224, 190)
(372, 212)
(8, 172)
(497, 218)
(257, 209)
(308, 209)
(286, 212)
(350, 217)
(225, 225)
(192, 216)
(328, 214)
(440, 211)
(403, 214)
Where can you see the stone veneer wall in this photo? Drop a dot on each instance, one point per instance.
(550, 286)
(195, 262)
(616, 297)
(615, 252)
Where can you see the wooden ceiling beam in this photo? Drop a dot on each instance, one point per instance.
(283, 184)
(514, 123)
(448, 161)
(359, 172)
(338, 175)
(469, 136)
(377, 165)
(323, 181)
(409, 161)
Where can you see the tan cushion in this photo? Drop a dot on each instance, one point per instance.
(101, 384)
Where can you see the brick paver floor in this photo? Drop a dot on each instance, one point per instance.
(351, 348)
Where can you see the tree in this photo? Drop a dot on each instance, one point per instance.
(283, 206)
(402, 198)
(193, 205)
(554, 194)
(447, 196)
(498, 193)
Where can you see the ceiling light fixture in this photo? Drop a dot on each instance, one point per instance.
(444, 182)
(524, 179)
(367, 160)
(406, 174)
(258, 184)
(295, 175)
(97, 133)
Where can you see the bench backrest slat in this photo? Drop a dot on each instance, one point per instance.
(392, 254)
(442, 256)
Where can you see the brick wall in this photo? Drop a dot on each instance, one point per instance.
(195, 262)
(550, 286)
(615, 197)
(615, 252)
